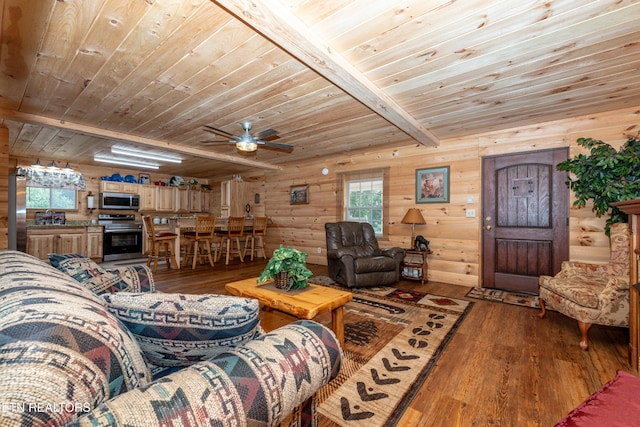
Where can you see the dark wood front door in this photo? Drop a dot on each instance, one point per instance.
(525, 208)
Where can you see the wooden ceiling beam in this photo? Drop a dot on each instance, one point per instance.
(120, 136)
(283, 28)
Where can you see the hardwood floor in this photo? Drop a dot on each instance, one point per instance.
(504, 366)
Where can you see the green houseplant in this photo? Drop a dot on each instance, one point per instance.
(290, 260)
(605, 176)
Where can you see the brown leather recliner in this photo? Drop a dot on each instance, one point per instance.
(354, 258)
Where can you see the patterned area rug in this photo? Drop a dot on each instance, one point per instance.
(393, 338)
(508, 297)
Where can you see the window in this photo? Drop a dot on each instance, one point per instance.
(364, 202)
(51, 198)
(364, 198)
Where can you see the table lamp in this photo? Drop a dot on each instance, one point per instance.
(413, 217)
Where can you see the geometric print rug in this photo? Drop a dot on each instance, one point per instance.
(393, 339)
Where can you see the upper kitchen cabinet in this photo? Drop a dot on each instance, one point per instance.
(119, 187)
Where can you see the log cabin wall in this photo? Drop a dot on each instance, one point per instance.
(455, 239)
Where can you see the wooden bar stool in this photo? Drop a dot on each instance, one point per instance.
(164, 240)
(255, 241)
(231, 238)
(204, 233)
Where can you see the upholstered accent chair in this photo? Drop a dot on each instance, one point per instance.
(592, 293)
(355, 259)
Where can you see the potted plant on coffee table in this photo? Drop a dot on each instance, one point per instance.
(288, 268)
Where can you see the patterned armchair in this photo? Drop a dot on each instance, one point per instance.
(592, 293)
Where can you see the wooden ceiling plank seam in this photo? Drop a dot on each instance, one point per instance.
(533, 65)
(244, 94)
(569, 86)
(148, 80)
(280, 26)
(200, 104)
(190, 31)
(501, 112)
(487, 34)
(103, 38)
(436, 27)
(186, 69)
(69, 25)
(105, 133)
(523, 43)
(143, 39)
(23, 30)
(558, 76)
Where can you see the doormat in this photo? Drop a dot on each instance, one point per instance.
(391, 346)
(508, 297)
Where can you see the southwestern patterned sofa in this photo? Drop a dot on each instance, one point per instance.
(73, 352)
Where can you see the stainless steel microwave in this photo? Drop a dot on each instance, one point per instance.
(119, 201)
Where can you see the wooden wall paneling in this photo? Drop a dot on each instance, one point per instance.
(455, 239)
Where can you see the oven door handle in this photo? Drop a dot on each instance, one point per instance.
(122, 230)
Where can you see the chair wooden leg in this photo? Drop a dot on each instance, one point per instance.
(156, 249)
(196, 250)
(240, 254)
(584, 331)
(543, 308)
(261, 247)
(208, 247)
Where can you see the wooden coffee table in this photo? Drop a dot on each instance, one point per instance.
(304, 303)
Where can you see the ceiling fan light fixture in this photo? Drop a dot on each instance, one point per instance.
(247, 146)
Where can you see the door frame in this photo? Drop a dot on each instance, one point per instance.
(560, 195)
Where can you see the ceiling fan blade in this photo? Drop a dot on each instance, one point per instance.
(218, 131)
(267, 134)
(220, 141)
(277, 145)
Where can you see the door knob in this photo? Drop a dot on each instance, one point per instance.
(487, 227)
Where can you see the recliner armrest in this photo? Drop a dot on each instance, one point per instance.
(391, 252)
(342, 252)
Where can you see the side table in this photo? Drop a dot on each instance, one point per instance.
(415, 265)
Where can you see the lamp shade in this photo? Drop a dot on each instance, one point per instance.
(413, 216)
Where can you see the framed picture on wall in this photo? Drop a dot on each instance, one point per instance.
(299, 194)
(432, 185)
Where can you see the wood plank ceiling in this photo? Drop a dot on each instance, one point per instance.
(331, 76)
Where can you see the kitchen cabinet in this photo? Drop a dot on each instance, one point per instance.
(118, 187)
(148, 197)
(58, 239)
(41, 245)
(94, 243)
(195, 200)
(72, 241)
(181, 199)
(234, 196)
(207, 201)
(165, 199)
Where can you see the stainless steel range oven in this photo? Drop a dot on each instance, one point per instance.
(122, 237)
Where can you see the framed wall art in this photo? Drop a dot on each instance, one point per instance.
(299, 194)
(432, 185)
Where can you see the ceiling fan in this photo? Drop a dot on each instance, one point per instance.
(247, 142)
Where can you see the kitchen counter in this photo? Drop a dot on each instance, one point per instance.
(68, 223)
